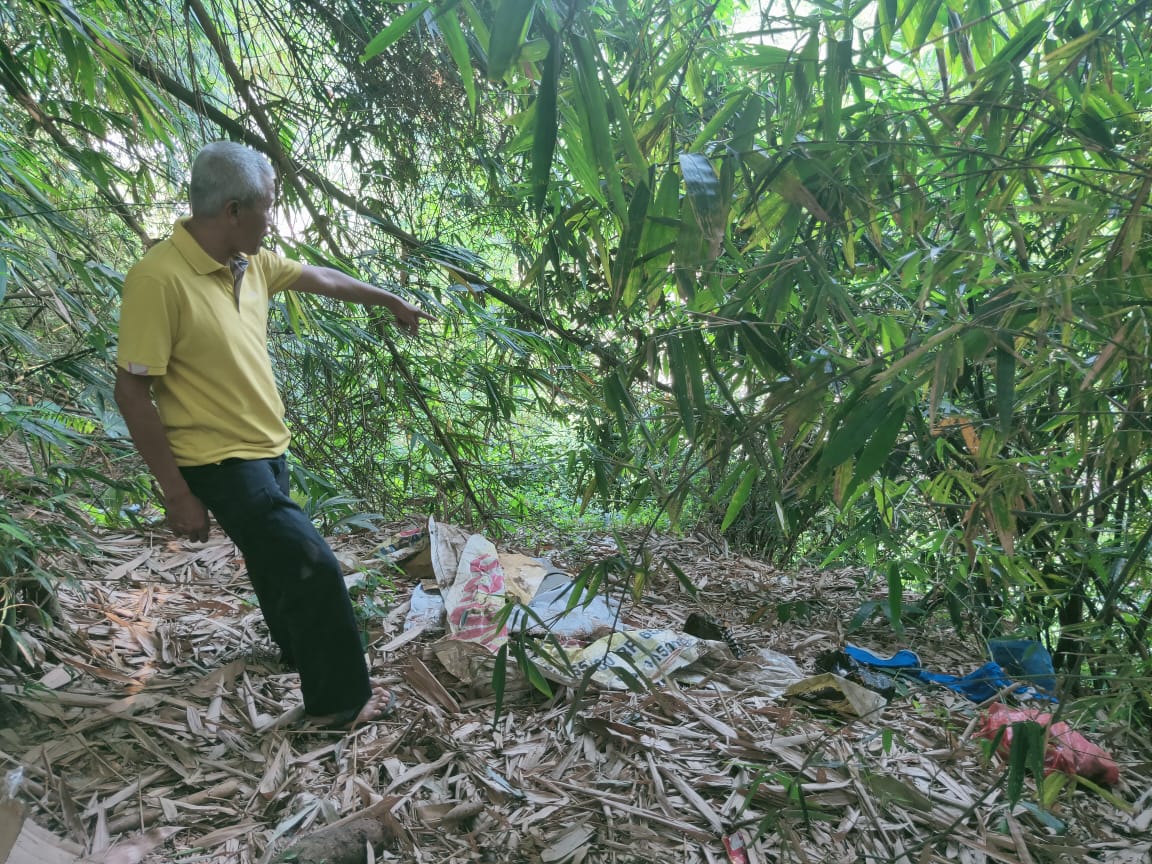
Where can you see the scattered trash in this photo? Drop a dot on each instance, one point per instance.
(1068, 751)
(839, 694)
(843, 664)
(404, 545)
(426, 610)
(548, 611)
(626, 657)
(736, 848)
(1025, 660)
(476, 596)
(978, 685)
(467, 585)
(763, 672)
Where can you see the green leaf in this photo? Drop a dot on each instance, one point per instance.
(701, 229)
(859, 421)
(630, 241)
(3, 278)
(1022, 43)
(734, 104)
(762, 57)
(499, 678)
(596, 115)
(740, 496)
(763, 348)
(531, 670)
(636, 160)
(580, 158)
(704, 195)
(886, 19)
(879, 446)
(458, 48)
(687, 584)
(658, 237)
(1005, 387)
(544, 141)
(867, 610)
(16, 532)
(1025, 753)
(678, 367)
(507, 28)
(838, 64)
(394, 31)
(895, 598)
(928, 16)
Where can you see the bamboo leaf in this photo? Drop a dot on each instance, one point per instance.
(689, 252)
(544, 141)
(928, 16)
(630, 241)
(636, 160)
(895, 598)
(838, 64)
(855, 429)
(761, 57)
(678, 367)
(394, 31)
(1026, 752)
(3, 278)
(726, 112)
(531, 670)
(879, 446)
(751, 473)
(699, 239)
(658, 237)
(867, 609)
(596, 115)
(499, 679)
(694, 350)
(458, 48)
(1022, 42)
(687, 584)
(886, 16)
(507, 29)
(1005, 387)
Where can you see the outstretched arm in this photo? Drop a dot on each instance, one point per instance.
(187, 515)
(341, 286)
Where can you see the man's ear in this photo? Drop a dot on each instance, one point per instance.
(232, 208)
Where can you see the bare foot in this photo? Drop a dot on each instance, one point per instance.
(379, 705)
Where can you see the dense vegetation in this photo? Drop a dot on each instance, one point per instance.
(848, 281)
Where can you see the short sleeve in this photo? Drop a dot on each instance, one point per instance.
(278, 272)
(149, 316)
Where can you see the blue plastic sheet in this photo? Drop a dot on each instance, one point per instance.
(981, 683)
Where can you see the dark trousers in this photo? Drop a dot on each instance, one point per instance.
(297, 578)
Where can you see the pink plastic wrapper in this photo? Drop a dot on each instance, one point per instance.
(1068, 751)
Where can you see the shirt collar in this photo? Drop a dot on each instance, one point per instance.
(194, 254)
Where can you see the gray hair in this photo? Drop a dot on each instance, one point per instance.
(226, 171)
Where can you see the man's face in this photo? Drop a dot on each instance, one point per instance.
(252, 222)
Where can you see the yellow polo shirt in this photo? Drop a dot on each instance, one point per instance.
(181, 322)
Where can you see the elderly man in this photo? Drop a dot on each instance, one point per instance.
(193, 337)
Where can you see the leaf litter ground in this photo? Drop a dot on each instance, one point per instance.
(148, 733)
